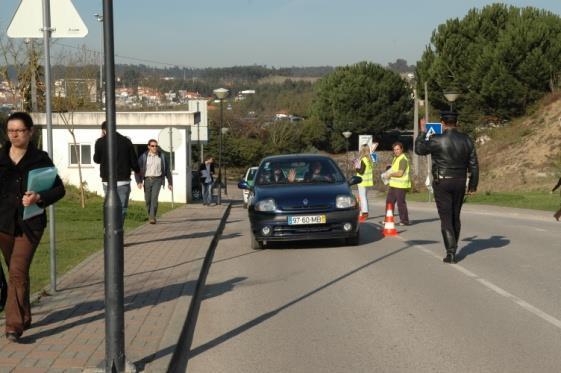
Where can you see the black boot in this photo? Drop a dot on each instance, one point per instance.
(451, 246)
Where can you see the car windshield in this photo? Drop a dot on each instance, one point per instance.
(299, 171)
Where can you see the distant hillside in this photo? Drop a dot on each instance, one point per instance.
(279, 79)
(524, 155)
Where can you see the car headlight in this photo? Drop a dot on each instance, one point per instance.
(344, 202)
(266, 205)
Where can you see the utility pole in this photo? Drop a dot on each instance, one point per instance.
(33, 74)
(99, 18)
(429, 160)
(415, 131)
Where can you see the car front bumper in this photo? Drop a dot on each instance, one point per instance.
(280, 230)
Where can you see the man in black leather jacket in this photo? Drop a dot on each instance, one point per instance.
(453, 156)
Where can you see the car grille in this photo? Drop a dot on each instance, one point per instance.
(303, 208)
(289, 230)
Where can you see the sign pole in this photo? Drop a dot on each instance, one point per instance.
(188, 168)
(171, 166)
(48, 113)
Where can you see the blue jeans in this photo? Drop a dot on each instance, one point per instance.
(123, 191)
(207, 193)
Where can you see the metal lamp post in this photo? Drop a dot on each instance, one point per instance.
(347, 135)
(221, 94)
(451, 97)
(224, 131)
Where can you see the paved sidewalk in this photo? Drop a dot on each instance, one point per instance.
(162, 264)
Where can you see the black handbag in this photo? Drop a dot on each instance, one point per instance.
(3, 289)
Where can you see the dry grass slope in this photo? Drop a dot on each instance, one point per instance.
(526, 154)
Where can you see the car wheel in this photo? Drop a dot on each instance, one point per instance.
(354, 240)
(256, 245)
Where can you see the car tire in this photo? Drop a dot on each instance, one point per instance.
(354, 240)
(256, 245)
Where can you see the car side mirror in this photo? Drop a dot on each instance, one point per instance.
(243, 185)
(355, 180)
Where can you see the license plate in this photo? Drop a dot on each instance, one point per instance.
(307, 219)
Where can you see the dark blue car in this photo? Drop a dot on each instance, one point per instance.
(301, 197)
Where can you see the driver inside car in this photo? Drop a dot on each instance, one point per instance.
(317, 173)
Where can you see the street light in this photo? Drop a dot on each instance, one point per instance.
(221, 94)
(99, 18)
(347, 134)
(451, 97)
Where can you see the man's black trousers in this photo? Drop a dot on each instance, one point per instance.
(449, 196)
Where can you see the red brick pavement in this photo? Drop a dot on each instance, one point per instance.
(162, 264)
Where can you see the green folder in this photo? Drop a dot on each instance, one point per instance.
(38, 180)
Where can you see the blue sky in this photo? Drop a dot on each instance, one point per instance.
(279, 33)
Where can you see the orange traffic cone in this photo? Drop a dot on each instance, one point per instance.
(389, 225)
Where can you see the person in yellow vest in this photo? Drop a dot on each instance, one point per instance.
(400, 183)
(363, 169)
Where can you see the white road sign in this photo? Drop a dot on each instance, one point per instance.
(65, 20)
(170, 139)
(364, 139)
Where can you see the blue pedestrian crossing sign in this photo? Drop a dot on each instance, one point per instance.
(433, 129)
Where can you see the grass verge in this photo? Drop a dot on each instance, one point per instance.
(525, 200)
(79, 233)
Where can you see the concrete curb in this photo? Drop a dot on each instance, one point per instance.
(180, 358)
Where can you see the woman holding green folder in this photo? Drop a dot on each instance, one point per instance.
(19, 238)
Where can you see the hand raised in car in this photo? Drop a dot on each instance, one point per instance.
(291, 175)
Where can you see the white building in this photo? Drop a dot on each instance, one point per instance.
(139, 127)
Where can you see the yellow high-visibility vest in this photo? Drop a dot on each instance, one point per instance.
(367, 179)
(403, 182)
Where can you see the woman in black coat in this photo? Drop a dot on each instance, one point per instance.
(19, 238)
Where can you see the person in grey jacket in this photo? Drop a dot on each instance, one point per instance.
(154, 170)
(453, 157)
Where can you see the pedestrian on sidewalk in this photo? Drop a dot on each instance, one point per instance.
(453, 156)
(126, 162)
(363, 167)
(399, 182)
(557, 214)
(19, 238)
(154, 171)
(206, 171)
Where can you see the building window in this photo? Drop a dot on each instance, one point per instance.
(82, 152)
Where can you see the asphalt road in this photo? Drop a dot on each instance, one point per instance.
(389, 304)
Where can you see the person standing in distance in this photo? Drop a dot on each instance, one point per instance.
(363, 168)
(453, 157)
(19, 238)
(154, 171)
(126, 162)
(206, 171)
(557, 214)
(399, 182)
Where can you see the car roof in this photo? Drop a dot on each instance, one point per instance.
(286, 157)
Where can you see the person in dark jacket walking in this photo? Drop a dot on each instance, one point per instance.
(19, 238)
(154, 171)
(453, 156)
(126, 162)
